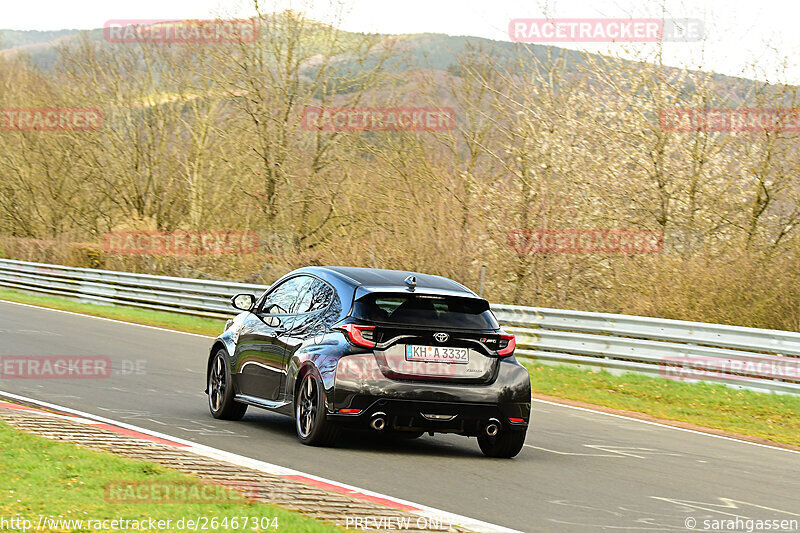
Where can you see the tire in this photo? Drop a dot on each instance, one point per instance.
(311, 419)
(220, 390)
(505, 444)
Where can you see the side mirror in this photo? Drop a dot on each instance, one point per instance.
(272, 321)
(274, 309)
(243, 302)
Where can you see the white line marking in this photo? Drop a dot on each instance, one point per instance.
(627, 450)
(215, 453)
(573, 453)
(726, 503)
(666, 426)
(623, 417)
(611, 451)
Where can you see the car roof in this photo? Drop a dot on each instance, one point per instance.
(378, 279)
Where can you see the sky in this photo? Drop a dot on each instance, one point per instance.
(755, 39)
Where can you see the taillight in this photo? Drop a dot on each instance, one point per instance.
(359, 335)
(507, 344)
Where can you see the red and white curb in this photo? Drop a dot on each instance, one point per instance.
(431, 514)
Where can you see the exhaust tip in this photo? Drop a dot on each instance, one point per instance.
(378, 423)
(493, 427)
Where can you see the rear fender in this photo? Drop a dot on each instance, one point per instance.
(321, 358)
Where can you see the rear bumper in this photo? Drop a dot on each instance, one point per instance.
(456, 408)
(438, 417)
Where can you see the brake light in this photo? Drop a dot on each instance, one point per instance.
(358, 334)
(508, 344)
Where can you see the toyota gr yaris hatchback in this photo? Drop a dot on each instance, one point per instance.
(380, 350)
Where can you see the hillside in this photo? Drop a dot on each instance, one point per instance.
(430, 51)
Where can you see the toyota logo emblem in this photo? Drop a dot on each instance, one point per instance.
(441, 337)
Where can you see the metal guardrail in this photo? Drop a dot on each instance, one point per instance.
(206, 298)
(694, 351)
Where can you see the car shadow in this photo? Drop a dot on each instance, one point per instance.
(258, 423)
(438, 445)
(368, 440)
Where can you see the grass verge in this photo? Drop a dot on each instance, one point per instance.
(61, 481)
(770, 416)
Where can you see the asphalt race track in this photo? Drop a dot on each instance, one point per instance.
(579, 471)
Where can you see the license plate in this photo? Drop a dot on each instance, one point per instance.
(437, 354)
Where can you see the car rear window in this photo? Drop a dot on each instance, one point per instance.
(425, 310)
